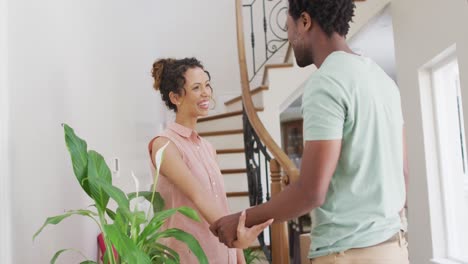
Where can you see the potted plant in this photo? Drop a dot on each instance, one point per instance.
(133, 233)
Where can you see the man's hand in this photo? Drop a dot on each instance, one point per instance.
(225, 229)
(231, 230)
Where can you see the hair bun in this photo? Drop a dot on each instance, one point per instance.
(158, 70)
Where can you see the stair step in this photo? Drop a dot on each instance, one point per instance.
(238, 203)
(235, 182)
(233, 171)
(252, 92)
(219, 116)
(230, 151)
(221, 133)
(226, 121)
(273, 66)
(231, 161)
(224, 115)
(237, 194)
(227, 141)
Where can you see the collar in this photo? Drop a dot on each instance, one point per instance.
(185, 132)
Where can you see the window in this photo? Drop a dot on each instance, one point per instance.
(452, 159)
(5, 178)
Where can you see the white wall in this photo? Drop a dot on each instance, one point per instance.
(87, 63)
(422, 30)
(285, 84)
(5, 197)
(375, 40)
(364, 12)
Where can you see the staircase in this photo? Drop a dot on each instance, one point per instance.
(225, 133)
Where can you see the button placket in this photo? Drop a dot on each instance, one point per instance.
(210, 179)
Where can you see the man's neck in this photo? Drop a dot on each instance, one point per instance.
(327, 46)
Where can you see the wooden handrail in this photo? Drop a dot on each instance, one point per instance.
(279, 231)
(288, 166)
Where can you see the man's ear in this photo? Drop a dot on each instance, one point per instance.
(306, 21)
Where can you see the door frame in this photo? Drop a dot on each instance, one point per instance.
(5, 176)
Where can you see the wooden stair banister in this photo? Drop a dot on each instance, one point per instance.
(279, 232)
(292, 173)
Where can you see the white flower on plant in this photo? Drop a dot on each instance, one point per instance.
(140, 203)
(137, 183)
(159, 157)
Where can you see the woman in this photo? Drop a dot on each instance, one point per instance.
(189, 174)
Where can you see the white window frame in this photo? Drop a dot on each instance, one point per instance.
(438, 170)
(5, 196)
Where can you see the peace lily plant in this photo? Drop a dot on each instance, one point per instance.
(133, 231)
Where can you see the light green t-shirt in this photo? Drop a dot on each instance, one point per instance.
(353, 99)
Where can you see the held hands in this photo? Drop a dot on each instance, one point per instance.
(231, 230)
(246, 236)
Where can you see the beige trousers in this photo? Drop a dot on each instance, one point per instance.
(392, 251)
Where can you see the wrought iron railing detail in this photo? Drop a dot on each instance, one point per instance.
(270, 33)
(256, 157)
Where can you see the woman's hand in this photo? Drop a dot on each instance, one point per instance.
(246, 236)
(240, 256)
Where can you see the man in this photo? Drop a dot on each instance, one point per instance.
(353, 170)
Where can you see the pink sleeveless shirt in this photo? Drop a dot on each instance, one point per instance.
(200, 157)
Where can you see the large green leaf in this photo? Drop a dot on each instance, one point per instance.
(57, 219)
(115, 193)
(158, 202)
(162, 251)
(127, 250)
(98, 171)
(189, 212)
(88, 262)
(79, 156)
(162, 259)
(57, 254)
(122, 217)
(139, 218)
(110, 213)
(188, 239)
(160, 218)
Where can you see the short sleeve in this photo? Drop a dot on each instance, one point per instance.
(323, 109)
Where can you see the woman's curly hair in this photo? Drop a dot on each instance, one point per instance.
(169, 77)
(331, 15)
